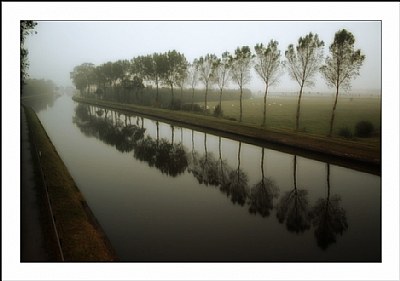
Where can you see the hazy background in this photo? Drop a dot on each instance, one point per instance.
(59, 46)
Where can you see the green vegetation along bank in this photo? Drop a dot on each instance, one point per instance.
(81, 237)
(347, 150)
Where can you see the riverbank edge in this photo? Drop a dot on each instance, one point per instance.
(80, 234)
(344, 150)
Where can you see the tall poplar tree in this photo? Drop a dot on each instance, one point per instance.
(341, 65)
(304, 62)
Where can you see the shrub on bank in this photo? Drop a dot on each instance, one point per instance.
(345, 132)
(363, 129)
(218, 111)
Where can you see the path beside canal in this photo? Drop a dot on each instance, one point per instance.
(33, 246)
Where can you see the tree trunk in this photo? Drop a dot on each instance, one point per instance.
(180, 104)
(181, 135)
(205, 145)
(328, 174)
(298, 108)
(262, 164)
(205, 99)
(158, 132)
(241, 111)
(172, 134)
(172, 96)
(238, 169)
(192, 98)
(265, 105)
(219, 148)
(220, 101)
(192, 142)
(333, 112)
(157, 101)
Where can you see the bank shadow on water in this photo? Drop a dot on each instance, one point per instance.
(293, 209)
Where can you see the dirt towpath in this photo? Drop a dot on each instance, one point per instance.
(33, 246)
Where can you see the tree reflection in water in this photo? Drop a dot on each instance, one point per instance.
(328, 217)
(145, 150)
(293, 207)
(193, 160)
(223, 168)
(41, 102)
(167, 157)
(236, 187)
(204, 168)
(263, 193)
(171, 158)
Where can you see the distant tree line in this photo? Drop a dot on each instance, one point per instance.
(39, 93)
(124, 80)
(37, 87)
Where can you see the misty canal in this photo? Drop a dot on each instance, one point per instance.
(166, 193)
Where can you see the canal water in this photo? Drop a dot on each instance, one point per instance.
(167, 193)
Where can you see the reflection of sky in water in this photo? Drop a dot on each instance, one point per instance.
(149, 215)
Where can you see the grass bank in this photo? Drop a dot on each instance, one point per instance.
(365, 152)
(81, 237)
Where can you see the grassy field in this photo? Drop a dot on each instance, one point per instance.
(315, 112)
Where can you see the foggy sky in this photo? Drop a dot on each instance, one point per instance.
(59, 46)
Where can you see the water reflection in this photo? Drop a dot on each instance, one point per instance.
(293, 207)
(263, 193)
(168, 157)
(205, 167)
(223, 168)
(328, 217)
(40, 103)
(128, 134)
(236, 188)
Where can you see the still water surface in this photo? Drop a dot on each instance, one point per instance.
(166, 193)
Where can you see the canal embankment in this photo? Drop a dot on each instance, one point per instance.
(77, 234)
(37, 237)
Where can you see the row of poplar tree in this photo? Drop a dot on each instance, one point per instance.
(302, 62)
